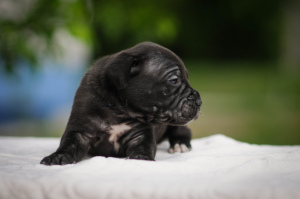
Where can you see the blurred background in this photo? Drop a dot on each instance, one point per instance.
(242, 56)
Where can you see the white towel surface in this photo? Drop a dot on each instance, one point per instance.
(217, 167)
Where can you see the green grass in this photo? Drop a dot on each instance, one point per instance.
(250, 102)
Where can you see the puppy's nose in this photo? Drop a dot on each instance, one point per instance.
(195, 96)
(199, 101)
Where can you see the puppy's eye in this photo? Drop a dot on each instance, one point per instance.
(134, 66)
(135, 62)
(174, 80)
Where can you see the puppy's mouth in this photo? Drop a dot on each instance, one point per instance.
(190, 110)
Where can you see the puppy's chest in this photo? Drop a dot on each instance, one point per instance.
(115, 132)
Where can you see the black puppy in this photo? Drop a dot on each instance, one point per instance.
(126, 103)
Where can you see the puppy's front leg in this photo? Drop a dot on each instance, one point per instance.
(73, 147)
(141, 144)
(179, 138)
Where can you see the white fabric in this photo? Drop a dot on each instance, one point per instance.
(217, 167)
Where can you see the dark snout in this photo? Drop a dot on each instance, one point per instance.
(195, 96)
(191, 107)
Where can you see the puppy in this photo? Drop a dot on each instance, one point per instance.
(126, 104)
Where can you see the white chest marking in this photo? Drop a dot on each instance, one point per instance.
(115, 132)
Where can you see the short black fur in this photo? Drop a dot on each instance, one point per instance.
(126, 104)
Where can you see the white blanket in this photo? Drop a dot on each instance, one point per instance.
(217, 167)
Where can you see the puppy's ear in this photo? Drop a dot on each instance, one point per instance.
(120, 70)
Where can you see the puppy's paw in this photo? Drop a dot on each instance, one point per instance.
(181, 148)
(141, 157)
(58, 159)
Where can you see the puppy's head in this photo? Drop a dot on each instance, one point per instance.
(152, 85)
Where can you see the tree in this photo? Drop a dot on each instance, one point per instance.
(211, 30)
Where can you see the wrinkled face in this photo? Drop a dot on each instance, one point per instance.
(158, 86)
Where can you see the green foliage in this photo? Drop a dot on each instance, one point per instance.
(31, 34)
(121, 24)
(209, 30)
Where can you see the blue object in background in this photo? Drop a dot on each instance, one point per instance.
(37, 94)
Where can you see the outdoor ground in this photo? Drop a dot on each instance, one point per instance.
(255, 103)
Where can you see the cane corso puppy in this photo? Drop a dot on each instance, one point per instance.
(126, 104)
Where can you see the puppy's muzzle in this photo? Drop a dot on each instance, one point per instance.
(191, 108)
(195, 96)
